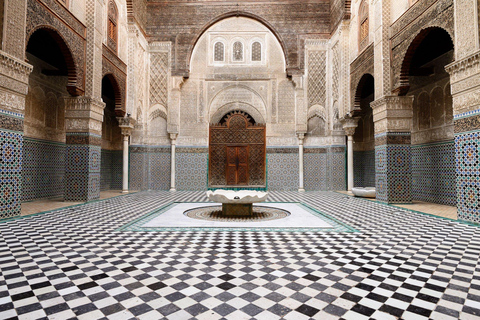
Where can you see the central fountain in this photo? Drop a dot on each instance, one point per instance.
(237, 203)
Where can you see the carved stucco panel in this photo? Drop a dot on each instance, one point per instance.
(12, 102)
(466, 27)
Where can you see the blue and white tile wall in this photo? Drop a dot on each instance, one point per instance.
(11, 148)
(336, 168)
(43, 169)
(393, 179)
(191, 168)
(138, 171)
(111, 170)
(433, 173)
(83, 164)
(282, 170)
(467, 149)
(364, 168)
(159, 169)
(315, 171)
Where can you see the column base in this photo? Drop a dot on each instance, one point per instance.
(172, 189)
(301, 190)
(125, 191)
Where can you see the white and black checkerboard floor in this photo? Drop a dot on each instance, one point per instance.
(72, 264)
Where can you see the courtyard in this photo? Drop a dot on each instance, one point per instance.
(96, 261)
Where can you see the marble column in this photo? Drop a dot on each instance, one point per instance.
(349, 126)
(392, 116)
(126, 125)
(173, 138)
(300, 162)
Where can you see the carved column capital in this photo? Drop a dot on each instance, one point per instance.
(349, 125)
(177, 82)
(126, 124)
(84, 114)
(393, 114)
(301, 137)
(298, 81)
(465, 83)
(173, 137)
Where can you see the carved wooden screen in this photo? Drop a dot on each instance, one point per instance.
(237, 153)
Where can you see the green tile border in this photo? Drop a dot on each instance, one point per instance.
(136, 224)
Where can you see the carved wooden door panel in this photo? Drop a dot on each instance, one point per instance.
(237, 165)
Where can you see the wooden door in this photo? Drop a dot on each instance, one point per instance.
(237, 165)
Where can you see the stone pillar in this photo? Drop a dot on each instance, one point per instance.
(349, 126)
(392, 116)
(381, 31)
(300, 162)
(465, 88)
(126, 124)
(84, 117)
(173, 138)
(83, 124)
(14, 75)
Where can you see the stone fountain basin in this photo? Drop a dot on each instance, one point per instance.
(230, 196)
(365, 192)
(237, 203)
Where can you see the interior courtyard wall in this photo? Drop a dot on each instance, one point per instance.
(44, 134)
(465, 79)
(182, 24)
(433, 150)
(78, 9)
(14, 74)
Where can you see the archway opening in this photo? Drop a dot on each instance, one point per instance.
(111, 165)
(43, 168)
(364, 140)
(433, 149)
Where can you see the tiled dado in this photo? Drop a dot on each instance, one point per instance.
(11, 148)
(433, 173)
(467, 149)
(83, 164)
(364, 168)
(393, 167)
(149, 168)
(282, 170)
(111, 170)
(336, 168)
(191, 168)
(43, 169)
